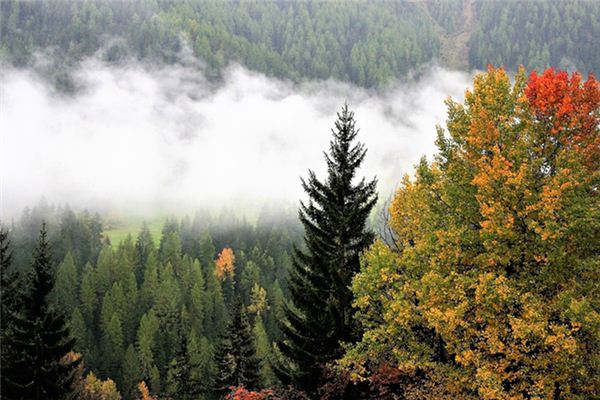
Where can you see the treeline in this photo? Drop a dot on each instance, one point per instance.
(367, 43)
(166, 311)
(537, 34)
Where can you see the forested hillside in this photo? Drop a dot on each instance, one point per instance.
(128, 305)
(367, 43)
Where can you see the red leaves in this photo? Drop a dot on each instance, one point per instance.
(567, 109)
(240, 393)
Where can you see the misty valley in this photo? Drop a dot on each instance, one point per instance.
(299, 200)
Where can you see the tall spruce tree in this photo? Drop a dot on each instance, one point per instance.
(183, 384)
(39, 339)
(236, 361)
(7, 280)
(8, 295)
(320, 317)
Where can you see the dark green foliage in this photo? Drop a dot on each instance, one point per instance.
(321, 315)
(7, 279)
(65, 293)
(236, 361)
(38, 339)
(130, 372)
(183, 382)
(537, 34)
(144, 247)
(8, 299)
(366, 43)
(126, 330)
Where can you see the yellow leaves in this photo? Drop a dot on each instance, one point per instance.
(224, 266)
(100, 390)
(497, 259)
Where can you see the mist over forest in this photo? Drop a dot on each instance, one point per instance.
(299, 200)
(137, 137)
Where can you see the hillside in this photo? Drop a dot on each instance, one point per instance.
(366, 43)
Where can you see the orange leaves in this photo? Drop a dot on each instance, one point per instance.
(497, 246)
(144, 392)
(225, 264)
(567, 109)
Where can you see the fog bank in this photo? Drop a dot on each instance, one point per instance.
(142, 139)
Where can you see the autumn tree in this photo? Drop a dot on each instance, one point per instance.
(225, 272)
(321, 317)
(89, 387)
(490, 289)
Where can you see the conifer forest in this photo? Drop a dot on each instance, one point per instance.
(299, 200)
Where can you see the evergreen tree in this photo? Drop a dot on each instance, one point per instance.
(7, 294)
(150, 285)
(263, 352)
(236, 361)
(215, 313)
(78, 331)
(87, 293)
(146, 343)
(38, 339)
(183, 386)
(130, 371)
(207, 250)
(144, 246)
(66, 287)
(321, 316)
(7, 303)
(113, 348)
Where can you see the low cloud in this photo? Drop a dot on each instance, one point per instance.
(141, 138)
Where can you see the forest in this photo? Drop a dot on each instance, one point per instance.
(486, 286)
(370, 44)
(476, 275)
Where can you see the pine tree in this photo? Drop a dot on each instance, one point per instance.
(8, 295)
(66, 287)
(144, 246)
(7, 279)
(78, 331)
(113, 347)
(87, 293)
(334, 220)
(183, 386)
(236, 361)
(39, 339)
(130, 371)
(207, 250)
(146, 346)
(263, 352)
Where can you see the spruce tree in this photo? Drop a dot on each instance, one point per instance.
(8, 295)
(39, 339)
(236, 361)
(183, 383)
(7, 289)
(320, 317)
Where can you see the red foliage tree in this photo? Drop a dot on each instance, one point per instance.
(567, 109)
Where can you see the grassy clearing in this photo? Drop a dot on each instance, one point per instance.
(117, 228)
